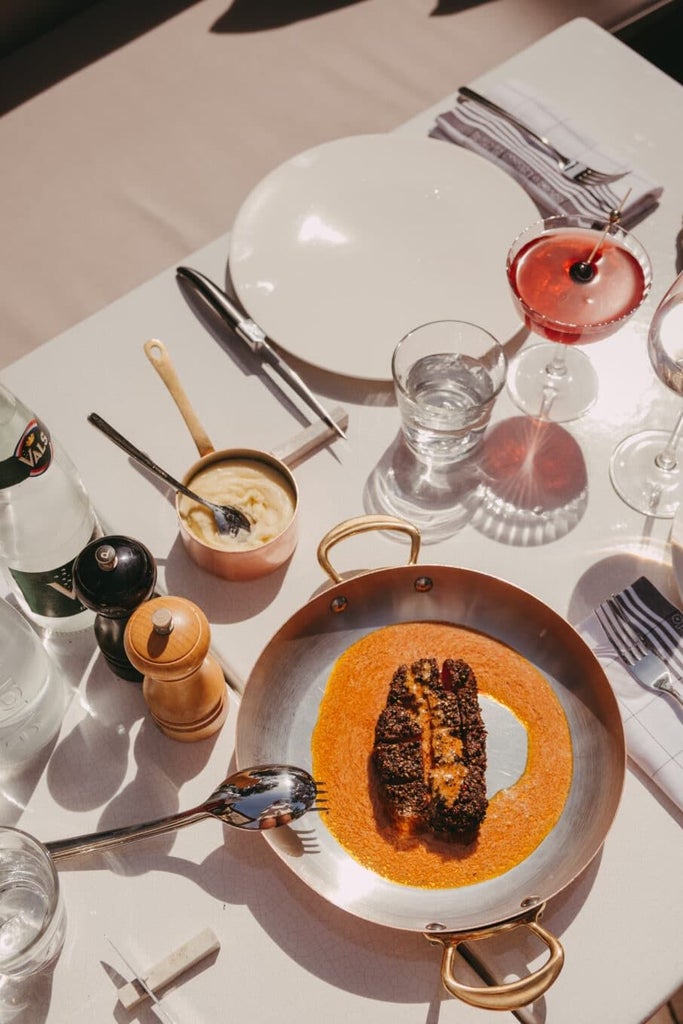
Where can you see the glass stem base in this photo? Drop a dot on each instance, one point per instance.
(553, 382)
(646, 472)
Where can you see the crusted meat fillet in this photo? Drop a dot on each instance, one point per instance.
(429, 753)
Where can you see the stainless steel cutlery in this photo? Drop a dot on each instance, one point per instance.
(574, 169)
(250, 332)
(632, 649)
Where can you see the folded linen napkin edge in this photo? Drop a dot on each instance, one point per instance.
(483, 131)
(653, 723)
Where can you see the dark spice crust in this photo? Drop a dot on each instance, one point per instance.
(429, 754)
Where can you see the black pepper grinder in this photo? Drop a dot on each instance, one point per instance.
(113, 576)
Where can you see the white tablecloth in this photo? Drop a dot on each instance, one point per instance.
(286, 954)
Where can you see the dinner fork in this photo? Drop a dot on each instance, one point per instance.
(643, 664)
(573, 169)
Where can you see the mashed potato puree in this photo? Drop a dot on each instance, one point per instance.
(256, 488)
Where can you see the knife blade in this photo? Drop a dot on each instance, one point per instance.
(249, 331)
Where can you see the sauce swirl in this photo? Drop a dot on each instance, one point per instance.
(518, 818)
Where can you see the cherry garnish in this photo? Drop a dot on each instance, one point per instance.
(582, 272)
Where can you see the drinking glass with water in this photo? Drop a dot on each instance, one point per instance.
(447, 375)
(32, 916)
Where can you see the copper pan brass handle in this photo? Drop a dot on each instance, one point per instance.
(508, 995)
(363, 524)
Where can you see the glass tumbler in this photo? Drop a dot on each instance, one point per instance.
(32, 915)
(447, 375)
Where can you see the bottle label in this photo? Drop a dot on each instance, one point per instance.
(31, 457)
(50, 593)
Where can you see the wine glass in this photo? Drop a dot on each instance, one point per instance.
(573, 282)
(645, 468)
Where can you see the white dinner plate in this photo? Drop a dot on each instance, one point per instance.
(346, 247)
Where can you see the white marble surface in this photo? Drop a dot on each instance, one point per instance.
(287, 955)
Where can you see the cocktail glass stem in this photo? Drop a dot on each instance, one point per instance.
(557, 367)
(555, 373)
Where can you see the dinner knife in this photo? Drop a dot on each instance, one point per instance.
(250, 332)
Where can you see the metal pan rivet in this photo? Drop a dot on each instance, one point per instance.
(423, 584)
(339, 604)
(531, 901)
(435, 927)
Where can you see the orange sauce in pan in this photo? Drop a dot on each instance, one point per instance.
(518, 818)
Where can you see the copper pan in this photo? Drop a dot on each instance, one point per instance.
(280, 707)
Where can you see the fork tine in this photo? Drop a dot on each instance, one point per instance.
(627, 628)
(612, 627)
(637, 640)
(320, 803)
(589, 176)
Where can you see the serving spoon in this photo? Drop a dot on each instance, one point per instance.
(229, 520)
(257, 798)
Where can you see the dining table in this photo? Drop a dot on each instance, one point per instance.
(287, 954)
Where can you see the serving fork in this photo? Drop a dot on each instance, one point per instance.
(633, 651)
(573, 169)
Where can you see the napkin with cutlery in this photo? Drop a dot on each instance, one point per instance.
(653, 722)
(473, 126)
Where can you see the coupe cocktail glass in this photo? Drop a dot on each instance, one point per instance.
(573, 282)
(645, 468)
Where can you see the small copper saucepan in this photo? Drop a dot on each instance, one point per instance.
(222, 475)
(245, 556)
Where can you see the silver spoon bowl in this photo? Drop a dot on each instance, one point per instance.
(229, 520)
(258, 798)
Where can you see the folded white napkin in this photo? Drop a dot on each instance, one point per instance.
(471, 125)
(653, 723)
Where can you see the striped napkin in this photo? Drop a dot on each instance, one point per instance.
(653, 723)
(473, 126)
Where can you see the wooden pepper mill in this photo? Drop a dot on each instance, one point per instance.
(167, 639)
(112, 576)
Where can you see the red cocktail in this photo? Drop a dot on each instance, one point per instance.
(572, 283)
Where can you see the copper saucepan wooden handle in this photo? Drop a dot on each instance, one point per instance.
(158, 356)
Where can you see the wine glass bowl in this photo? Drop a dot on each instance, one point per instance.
(645, 469)
(572, 282)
